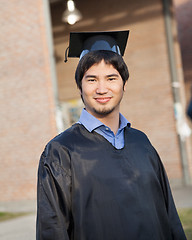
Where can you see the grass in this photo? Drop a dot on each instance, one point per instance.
(7, 215)
(186, 220)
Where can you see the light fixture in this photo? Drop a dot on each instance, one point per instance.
(71, 15)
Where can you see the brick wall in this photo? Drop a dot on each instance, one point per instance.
(26, 100)
(27, 119)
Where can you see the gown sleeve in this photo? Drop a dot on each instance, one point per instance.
(175, 224)
(54, 220)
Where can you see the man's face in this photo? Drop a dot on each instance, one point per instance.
(102, 89)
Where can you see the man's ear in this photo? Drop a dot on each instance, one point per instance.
(125, 86)
(80, 92)
(79, 88)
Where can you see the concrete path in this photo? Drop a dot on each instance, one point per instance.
(23, 228)
(182, 197)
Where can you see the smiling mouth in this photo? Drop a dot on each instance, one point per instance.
(103, 100)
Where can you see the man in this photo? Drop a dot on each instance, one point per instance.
(102, 179)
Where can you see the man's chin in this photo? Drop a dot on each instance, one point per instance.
(103, 112)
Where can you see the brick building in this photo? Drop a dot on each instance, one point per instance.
(27, 119)
(38, 89)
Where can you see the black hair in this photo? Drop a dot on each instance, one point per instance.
(95, 57)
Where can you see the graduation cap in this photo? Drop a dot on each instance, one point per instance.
(83, 42)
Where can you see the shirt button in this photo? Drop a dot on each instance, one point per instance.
(107, 129)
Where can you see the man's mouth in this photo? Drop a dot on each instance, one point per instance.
(103, 99)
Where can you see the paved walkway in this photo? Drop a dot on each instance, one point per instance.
(182, 197)
(23, 228)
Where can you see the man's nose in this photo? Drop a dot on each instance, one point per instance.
(101, 87)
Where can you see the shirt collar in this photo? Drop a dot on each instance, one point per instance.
(123, 122)
(91, 123)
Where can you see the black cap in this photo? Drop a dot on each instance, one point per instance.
(84, 42)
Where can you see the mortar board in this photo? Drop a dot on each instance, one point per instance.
(83, 42)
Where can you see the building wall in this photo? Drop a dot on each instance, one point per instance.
(148, 102)
(27, 119)
(27, 105)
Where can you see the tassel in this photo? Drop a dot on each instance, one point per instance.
(66, 52)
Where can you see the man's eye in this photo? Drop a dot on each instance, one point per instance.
(91, 80)
(111, 79)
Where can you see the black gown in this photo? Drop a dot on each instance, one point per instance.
(89, 190)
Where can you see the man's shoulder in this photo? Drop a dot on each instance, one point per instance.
(65, 141)
(137, 139)
(134, 134)
(69, 135)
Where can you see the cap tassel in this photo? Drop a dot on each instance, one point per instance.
(66, 53)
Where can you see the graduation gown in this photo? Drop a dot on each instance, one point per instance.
(89, 190)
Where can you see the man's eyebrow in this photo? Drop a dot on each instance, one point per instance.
(90, 76)
(109, 75)
(113, 75)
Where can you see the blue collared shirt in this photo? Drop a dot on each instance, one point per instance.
(93, 124)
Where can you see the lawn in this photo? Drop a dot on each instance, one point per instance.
(7, 215)
(186, 219)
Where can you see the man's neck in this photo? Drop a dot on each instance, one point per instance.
(111, 121)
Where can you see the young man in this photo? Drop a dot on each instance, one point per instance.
(102, 179)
